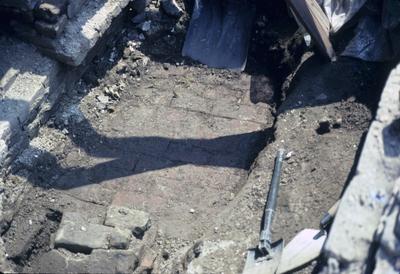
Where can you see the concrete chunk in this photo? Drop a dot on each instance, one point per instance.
(135, 220)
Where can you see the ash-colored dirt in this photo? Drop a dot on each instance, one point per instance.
(147, 129)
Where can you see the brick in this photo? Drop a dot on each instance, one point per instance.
(81, 237)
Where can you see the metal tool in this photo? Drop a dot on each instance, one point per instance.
(219, 33)
(265, 258)
(306, 245)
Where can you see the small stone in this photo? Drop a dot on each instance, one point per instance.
(165, 254)
(192, 210)
(71, 236)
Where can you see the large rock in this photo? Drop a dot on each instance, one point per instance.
(135, 220)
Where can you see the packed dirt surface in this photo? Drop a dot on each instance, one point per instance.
(194, 147)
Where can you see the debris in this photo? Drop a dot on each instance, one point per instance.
(171, 8)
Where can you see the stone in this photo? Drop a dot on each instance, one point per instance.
(50, 10)
(82, 35)
(171, 8)
(135, 220)
(83, 238)
(51, 30)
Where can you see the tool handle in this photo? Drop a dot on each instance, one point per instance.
(265, 235)
(328, 217)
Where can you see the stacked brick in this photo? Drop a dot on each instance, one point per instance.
(40, 19)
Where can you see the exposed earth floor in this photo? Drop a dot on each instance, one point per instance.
(194, 147)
